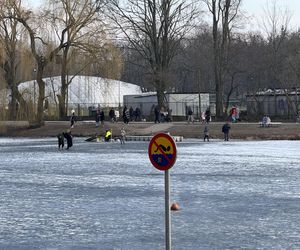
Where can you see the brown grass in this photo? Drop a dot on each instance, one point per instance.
(244, 131)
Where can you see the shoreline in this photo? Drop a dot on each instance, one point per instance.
(242, 130)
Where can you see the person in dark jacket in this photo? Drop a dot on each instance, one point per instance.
(73, 119)
(102, 116)
(112, 115)
(69, 139)
(97, 117)
(225, 130)
(206, 133)
(169, 115)
(190, 115)
(207, 116)
(131, 113)
(126, 115)
(157, 114)
(61, 140)
(137, 114)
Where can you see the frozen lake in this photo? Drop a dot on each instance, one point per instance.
(233, 195)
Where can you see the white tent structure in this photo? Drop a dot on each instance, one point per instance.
(86, 91)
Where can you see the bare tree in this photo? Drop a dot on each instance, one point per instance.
(276, 24)
(72, 31)
(78, 27)
(14, 57)
(294, 64)
(155, 29)
(42, 53)
(224, 13)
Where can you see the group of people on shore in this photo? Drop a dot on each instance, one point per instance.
(205, 116)
(206, 119)
(128, 114)
(113, 114)
(162, 114)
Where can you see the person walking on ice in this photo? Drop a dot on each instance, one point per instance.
(61, 140)
(69, 138)
(123, 135)
(206, 133)
(225, 130)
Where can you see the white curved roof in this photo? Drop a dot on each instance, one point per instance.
(85, 90)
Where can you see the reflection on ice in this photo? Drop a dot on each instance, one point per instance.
(108, 196)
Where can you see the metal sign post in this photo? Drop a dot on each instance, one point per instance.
(162, 154)
(167, 210)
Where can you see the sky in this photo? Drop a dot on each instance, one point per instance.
(255, 11)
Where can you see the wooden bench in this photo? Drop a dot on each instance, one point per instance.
(271, 124)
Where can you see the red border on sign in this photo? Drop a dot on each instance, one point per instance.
(171, 161)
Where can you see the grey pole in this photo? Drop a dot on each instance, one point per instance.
(167, 208)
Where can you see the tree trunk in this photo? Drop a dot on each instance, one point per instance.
(219, 94)
(160, 97)
(227, 103)
(23, 106)
(62, 101)
(217, 63)
(40, 105)
(64, 83)
(10, 77)
(13, 104)
(160, 92)
(41, 98)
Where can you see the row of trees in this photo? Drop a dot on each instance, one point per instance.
(159, 44)
(65, 38)
(221, 58)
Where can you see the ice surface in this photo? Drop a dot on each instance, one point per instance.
(233, 195)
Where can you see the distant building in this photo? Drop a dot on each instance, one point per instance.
(85, 93)
(177, 102)
(280, 103)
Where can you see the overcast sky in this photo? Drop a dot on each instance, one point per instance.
(255, 10)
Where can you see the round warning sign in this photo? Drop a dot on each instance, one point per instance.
(162, 151)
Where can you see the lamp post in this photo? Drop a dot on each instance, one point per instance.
(119, 94)
(119, 98)
(34, 90)
(199, 93)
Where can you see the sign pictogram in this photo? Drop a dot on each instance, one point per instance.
(162, 151)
